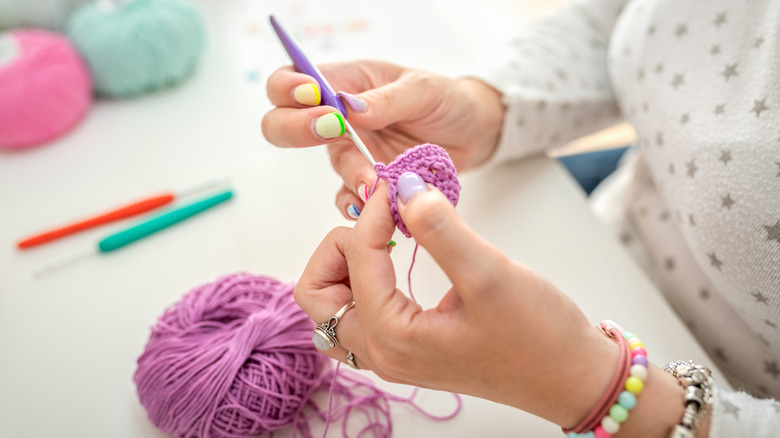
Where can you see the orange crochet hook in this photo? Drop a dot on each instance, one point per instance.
(133, 209)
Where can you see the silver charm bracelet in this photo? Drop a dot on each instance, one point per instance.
(698, 393)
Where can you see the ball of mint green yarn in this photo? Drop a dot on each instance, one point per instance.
(137, 46)
(47, 14)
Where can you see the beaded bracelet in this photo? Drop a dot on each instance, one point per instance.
(699, 392)
(621, 393)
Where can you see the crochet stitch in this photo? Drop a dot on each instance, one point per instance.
(429, 161)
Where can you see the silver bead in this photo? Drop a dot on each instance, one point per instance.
(694, 394)
(681, 432)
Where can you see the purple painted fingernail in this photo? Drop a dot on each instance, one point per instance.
(410, 184)
(356, 103)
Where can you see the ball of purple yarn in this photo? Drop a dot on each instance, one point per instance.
(429, 161)
(233, 358)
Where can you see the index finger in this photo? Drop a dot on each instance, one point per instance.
(282, 88)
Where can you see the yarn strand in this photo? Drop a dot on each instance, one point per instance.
(234, 359)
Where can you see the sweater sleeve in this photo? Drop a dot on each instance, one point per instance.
(738, 414)
(554, 78)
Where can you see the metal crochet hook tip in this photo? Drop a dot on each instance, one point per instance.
(49, 269)
(359, 143)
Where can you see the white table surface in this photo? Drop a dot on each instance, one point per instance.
(69, 341)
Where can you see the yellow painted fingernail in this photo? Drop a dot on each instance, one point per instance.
(307, 94)
(330, 125)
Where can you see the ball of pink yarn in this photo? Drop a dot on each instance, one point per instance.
(429, 161)
(45, 87)
(234, 359)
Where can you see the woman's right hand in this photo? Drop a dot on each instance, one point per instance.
(393, 108)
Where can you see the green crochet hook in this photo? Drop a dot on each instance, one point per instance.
(143, 229)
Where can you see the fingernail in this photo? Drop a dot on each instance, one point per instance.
(362, 191)
(356, 103)
(390, 246)
(410, 184)
(307, 94)
(330, 125)
(353, 211)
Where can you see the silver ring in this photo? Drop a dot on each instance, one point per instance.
(324, 336)
(351, 360)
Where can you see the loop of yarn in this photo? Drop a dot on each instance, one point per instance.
(429, 161)
(45, 88)
(137, 46)
(234, 359)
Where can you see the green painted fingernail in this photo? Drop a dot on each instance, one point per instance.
(330, 125)
(391, 244)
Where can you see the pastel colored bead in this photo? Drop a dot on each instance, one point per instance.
(638, 371)
(627, 400)
(638, 352)
(610, 425)
(634, 343)
(599, 432)
(629, 335)
(618, 413)
(588, 434)
(634, 385)
(640, 360)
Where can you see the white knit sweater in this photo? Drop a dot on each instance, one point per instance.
(699, 201)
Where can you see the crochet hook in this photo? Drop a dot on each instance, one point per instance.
(125, 211)
(329, 97)
(143, 229)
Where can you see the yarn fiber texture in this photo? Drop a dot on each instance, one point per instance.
(138, 46)
(234, 358)
(45, 87)
(429, 161)
(48, 14)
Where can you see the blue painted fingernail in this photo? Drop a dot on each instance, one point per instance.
(410, 184)
(353, 211)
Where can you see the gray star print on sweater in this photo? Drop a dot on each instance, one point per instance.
(700, 83)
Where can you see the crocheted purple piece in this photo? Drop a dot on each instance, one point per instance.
(429, 161)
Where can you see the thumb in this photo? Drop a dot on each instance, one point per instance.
(471, 263)
(411, 96)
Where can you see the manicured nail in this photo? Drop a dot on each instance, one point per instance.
(410, 184)
(362, 191)
(307, 94)
(330, 125)
(356, 103)
(390, 246)
(353, 211)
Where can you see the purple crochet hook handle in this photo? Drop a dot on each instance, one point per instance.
(303, 65)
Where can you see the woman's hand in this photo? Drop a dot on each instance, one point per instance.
(502, 332)
(393, 109)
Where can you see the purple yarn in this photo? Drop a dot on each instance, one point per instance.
(429, 161)
(235, 359)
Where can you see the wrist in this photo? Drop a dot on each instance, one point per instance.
(489, 110)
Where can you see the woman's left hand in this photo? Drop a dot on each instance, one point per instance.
(502, 332)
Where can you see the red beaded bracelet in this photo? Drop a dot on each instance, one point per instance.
(620, 397)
